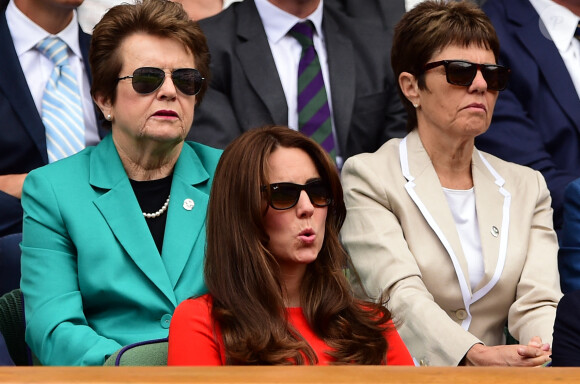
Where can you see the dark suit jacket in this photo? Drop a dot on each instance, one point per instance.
(246, 91)
(22, 137)
(537, 119)
(386, 12)
(566, 343)
(569, 252)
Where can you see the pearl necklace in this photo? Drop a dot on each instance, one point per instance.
(159, 212)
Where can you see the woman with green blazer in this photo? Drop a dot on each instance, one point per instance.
(114, 236)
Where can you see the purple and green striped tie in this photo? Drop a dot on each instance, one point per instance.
(313, 110)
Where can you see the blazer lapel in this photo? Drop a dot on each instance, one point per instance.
(342, 73)
(85, 42)
(431, 200)
(185, 226)
(258, 63)
(120, 209)
(492, 203)
(13, 84)
(546, 55)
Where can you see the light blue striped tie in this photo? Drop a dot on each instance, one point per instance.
(62, 113)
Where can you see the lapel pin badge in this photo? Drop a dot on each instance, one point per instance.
(494, 231)
(188, 204)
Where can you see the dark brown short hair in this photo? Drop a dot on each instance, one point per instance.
(243, 276)
(161, 18)
(430, 27)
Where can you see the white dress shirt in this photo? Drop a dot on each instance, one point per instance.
(559, 26)
(410, 4)
(287, 50)
(91, 11)
(37, 68)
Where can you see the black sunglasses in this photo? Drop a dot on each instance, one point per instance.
(460, 72)
(286, 195)
(149, 79)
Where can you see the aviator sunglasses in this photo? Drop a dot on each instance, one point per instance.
(460, 72)
(148, 79)
(285, 195)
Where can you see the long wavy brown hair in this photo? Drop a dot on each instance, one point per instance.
(244, 280)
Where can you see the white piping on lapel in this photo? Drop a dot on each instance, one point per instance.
(468, 299)
(499, 181)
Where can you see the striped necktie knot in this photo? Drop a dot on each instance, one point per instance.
(55, 50)
(62, 112)
(304, 33)
(577, 33)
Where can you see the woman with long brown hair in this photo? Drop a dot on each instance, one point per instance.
(275, 267)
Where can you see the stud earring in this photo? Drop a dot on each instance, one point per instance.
(109, 118)
(414, 105)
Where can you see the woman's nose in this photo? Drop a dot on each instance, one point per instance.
(479, 84)
(304, 207)
(167, 89)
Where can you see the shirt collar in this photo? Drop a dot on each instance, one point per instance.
(227, 3)
(559, 22)
(277, 22)
(29, 33)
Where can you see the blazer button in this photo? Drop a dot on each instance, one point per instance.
(461, 314)
(165, 321)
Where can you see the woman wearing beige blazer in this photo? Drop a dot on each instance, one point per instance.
(460, 242)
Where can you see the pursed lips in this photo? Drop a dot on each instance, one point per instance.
(165, 113)
(477, 105)
(307, 235)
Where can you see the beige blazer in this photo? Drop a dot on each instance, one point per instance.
(402, 238)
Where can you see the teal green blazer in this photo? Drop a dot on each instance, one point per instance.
(92, 277)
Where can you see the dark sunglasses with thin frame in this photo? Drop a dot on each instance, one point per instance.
(286, 195)
(147, 80)
(461, 72)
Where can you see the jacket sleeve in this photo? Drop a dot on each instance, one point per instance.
(374, 238)
(569, 252)
(566, 348)
(57, 330)
(538, 290)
